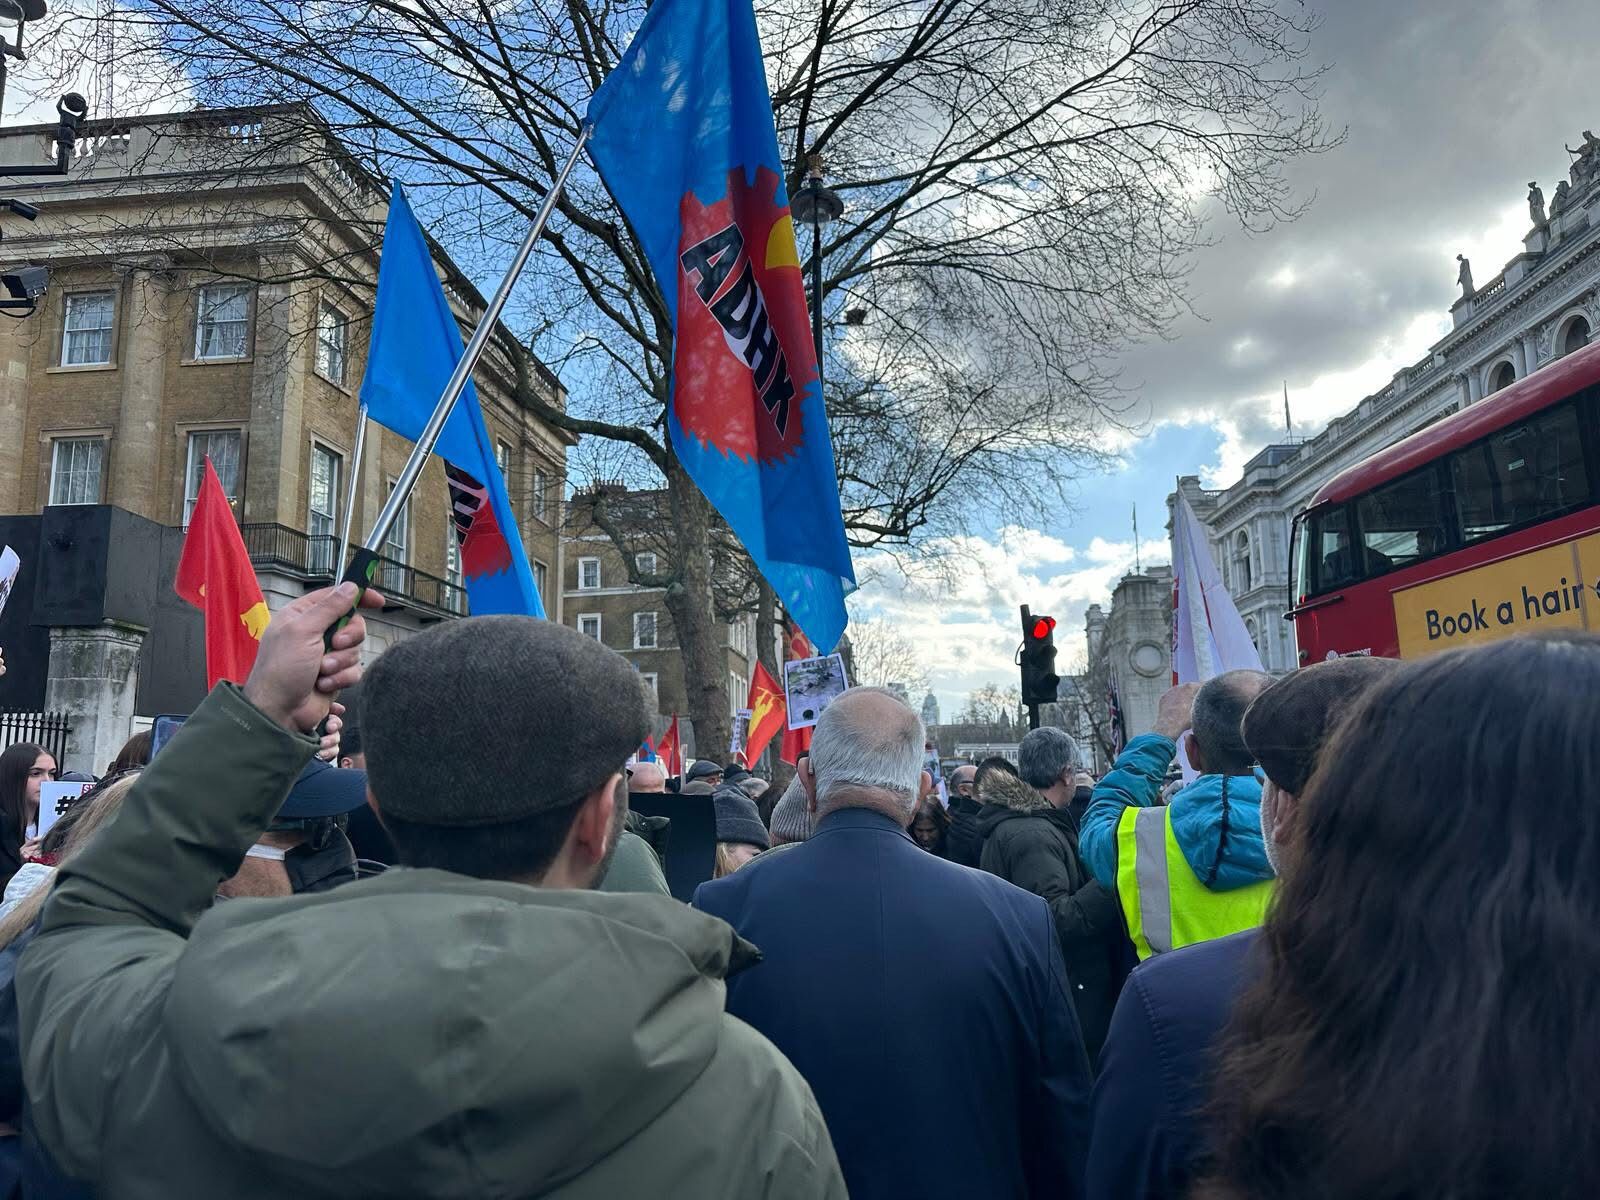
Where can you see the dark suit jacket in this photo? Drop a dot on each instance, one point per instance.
(915, 996)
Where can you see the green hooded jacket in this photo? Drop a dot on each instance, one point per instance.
(417, 1034)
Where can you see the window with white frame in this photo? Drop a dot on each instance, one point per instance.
(737, 693)
(645, 562)
(644, 631)
(222, 447)
(75, 470)
(333, 329)
(589, 625)
(540, 574)
(541, 495)
(397, 548)
(221, 321)
(651, 682)
(588, 574)
(86, 331)
(502, 457)
(455, 598)
(323, 514)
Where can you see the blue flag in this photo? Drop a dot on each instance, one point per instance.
(415, 345)
(683, 136)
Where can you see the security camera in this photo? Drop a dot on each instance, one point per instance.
(21, 208)
(26, 283)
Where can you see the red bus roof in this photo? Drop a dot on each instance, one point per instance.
(1546, 386)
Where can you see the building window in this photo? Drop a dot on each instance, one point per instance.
(75, 470)
(455, 596)
(1241, 560)
(645, 562)
(86, 332)
(588, 574)
(589, 625)
(332, 331)
(1502, 376)
(502, 457)
(540, 573)
(323, 511)
(737, 693)
(541, 489)
(651, 682)
(397, 548)
(222, 320)
(222, 447)
(1576, 336)
(644, 631)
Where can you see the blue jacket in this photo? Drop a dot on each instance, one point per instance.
(1216, 819)
(914, 994)
(1155, 1069)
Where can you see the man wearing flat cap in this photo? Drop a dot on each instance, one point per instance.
(478, 1023)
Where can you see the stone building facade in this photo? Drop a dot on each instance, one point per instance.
(599, 598)
(1543, 305)
(210, 294)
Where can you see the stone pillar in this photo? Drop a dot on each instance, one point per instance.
(93, 678)
(277, 409)
(16, 495)
(1530, 351)
(1521, 359)
(142, 365)
(1474, 386)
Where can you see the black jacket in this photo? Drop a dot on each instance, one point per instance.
(963, 843)
(1028, 842)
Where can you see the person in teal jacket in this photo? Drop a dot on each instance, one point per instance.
(1217, 818)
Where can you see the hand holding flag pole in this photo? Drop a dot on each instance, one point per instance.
(364, 562)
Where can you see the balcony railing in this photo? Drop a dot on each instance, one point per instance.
(313, 557)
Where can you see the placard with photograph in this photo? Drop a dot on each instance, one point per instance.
(810, 685)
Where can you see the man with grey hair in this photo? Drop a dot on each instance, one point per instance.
(898, 982)
(1196, 869)
(1031, 839)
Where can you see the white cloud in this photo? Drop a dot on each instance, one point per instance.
(963, 616)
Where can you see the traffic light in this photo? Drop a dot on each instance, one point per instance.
(1038, 659)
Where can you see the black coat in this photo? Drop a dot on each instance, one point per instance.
(963, 843)
(1028, 842)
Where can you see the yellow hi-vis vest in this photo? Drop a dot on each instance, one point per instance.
(1163, 901)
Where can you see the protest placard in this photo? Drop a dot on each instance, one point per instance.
(810, 685)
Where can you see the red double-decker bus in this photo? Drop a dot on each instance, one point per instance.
(1483, 525)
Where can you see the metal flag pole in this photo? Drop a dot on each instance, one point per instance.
(355, 477)
(364, 563)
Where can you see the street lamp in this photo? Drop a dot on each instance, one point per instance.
(816, 206)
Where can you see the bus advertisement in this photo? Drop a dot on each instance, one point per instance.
(1480, 526)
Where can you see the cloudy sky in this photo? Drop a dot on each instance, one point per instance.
(1451, 108)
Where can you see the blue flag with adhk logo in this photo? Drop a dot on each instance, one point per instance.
(415, 346)
(683, 136)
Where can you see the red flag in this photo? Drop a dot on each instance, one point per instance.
(795, 741)
(769, 712)
(668, 748)
(215, 575)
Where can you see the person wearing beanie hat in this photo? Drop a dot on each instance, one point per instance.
(740, 833)
(447, 1029)
(1155, 1068)
(791, 818)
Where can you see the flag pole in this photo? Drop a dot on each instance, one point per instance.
(364, 563)
(355, 475)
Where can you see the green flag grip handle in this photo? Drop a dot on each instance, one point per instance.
(361, 571)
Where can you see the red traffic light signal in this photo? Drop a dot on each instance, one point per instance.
(1043, 627)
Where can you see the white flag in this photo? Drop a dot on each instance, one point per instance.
(1209, 636)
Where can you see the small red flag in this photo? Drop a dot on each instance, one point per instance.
(667, 749)
(769, 712)
(215, 575)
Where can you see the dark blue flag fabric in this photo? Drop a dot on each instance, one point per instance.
(415, 345)
(683, 137)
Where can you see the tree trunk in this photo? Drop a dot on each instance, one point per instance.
(701, 641)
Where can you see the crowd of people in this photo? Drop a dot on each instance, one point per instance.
(1348, 953)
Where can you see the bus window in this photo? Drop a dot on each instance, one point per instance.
(1331, 549)
(1403, 522)
(1300, 551)
(1522, 474)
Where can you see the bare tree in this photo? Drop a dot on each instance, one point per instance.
(882, 656)
(1025, 182)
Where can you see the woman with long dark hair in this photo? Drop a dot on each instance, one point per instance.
(24, 769)
(1426, 1023)
(930, 824)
